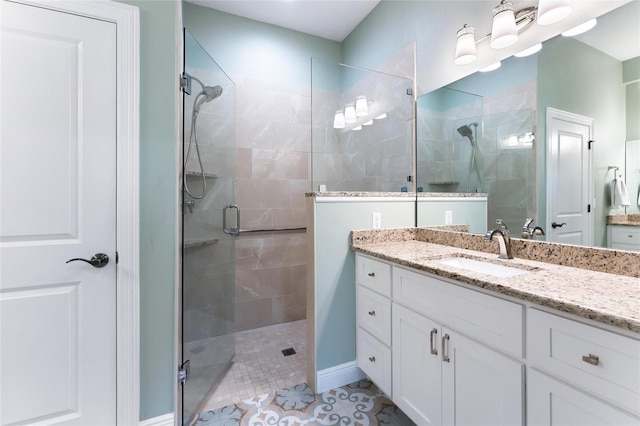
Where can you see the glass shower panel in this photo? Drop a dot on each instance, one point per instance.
(362, 129)
(208, 253)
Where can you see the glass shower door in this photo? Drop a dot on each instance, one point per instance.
(208, 252)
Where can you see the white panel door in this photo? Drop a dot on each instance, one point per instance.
(569, 178)
(479, 385)
(417, 386)
(57, 202)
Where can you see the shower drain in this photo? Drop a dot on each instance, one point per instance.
(288, 351)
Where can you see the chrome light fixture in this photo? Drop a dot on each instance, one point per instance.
(504, 31)
(582, 28)
(362, 109)
(465, 46)
(507, 25)
(552, 11)
(338, 120)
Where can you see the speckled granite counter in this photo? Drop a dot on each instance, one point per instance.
(599, 295)
(624, 219)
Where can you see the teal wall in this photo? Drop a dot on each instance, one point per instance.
(577, 78)
(247, 48)
(158, 201)
(335, 295)
(631, 77)
(470, 211)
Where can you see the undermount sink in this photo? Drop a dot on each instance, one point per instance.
(482, 267)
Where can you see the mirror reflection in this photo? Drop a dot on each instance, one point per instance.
(488, 132)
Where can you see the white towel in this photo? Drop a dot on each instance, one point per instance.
(619, 194)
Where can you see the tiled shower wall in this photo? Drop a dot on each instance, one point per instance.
(272, 176)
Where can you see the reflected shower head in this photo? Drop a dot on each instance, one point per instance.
(465, 131)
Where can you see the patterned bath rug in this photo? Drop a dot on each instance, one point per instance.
(357, 404)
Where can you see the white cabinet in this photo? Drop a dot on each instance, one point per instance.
(440, 376)
(552, 402)
(623, 237)
(600, 363)
(373, 319)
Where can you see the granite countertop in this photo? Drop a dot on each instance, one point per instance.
(601, 296)
(624, 219)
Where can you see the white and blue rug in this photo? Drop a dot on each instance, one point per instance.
(357, 404)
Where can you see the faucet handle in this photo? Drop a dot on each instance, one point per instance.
(528, 221)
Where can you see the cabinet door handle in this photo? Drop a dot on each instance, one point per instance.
(434, 332)
(372, 274)
(372, 358)
(591, 359)
(372, 313)
(445, 339)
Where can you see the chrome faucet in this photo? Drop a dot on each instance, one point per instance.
(528, 232)
(504, 239)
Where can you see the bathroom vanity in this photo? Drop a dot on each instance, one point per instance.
(456, 336)
(623, 232)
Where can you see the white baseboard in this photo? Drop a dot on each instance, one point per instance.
(164, 420)
(340, 375)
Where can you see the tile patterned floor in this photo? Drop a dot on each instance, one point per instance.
(357, 404)
(259, 366)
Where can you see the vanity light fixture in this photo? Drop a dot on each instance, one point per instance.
(362, 109)
(350, 114)
(529, 51)
(338, 120)
(507, 25)
(552, 11)
(582, 28)
(504, 31)
(491, 67)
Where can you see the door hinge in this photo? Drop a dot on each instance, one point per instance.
(117, 258)
(589, 143)
(185, 83)
(588, 208)
(183, 372)
(410, 92)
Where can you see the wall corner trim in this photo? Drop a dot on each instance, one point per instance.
(339, 375)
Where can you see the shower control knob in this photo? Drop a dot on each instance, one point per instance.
(98, 260)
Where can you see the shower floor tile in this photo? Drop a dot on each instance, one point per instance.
(260, 367)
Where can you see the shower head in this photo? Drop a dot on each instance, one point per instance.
(210, 93)
(465, 131)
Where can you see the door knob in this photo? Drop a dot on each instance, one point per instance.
(557, 225)
(98, 260)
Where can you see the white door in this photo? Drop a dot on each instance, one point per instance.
(57, 202)
(417, 387)
(479, 385)
(553, 403)
(569, 188)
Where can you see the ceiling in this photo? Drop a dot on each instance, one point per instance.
(618, 35)
(330, 19)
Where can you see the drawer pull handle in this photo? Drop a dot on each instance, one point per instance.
(434, 332)
(372, 274)
(372, 358)
(591, 359)
(372, 313)
(445, 339)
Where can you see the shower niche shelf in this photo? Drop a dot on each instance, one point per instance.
(444, 182)
(199, 243)
(193, 173)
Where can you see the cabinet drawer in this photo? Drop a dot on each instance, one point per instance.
(374, 314)
(374, 274)
(601, 362)
(625, 235)
(374, 359)
(494, 321)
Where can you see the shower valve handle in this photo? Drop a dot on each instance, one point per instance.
(98, 260)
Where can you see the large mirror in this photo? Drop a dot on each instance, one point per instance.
(487, 133)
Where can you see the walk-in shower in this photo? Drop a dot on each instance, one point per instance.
(208, 254)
